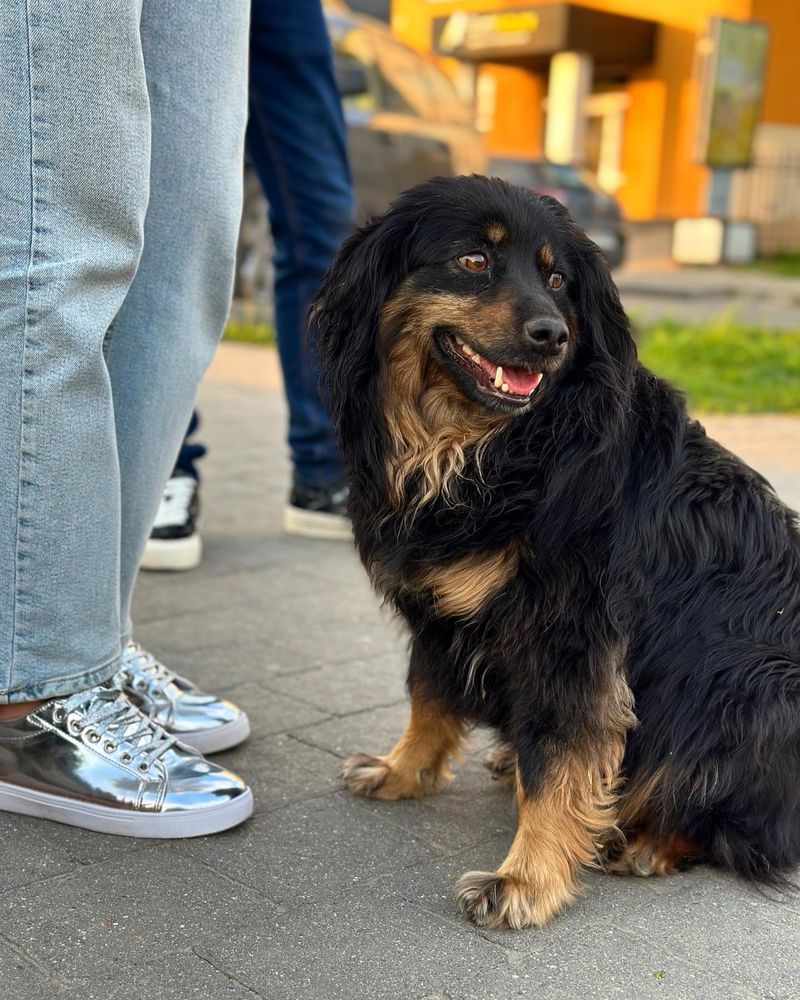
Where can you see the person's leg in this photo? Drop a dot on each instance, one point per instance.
(191, 451)
(165, 334)
(175, 543)
(74, 160)
(296, 141)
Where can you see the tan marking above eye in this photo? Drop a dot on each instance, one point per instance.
(555, 281)
(546, 256)
(496, 232)
(474, 261)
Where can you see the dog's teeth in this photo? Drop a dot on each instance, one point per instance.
(504, 386)
(466, 350)
(498, 377)
(476, 358)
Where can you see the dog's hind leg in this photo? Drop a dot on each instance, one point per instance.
(418, 763)
(645, 854)
(639, 849)
(501, 762)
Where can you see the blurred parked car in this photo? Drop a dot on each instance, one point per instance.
(405, 123)
(591, 207)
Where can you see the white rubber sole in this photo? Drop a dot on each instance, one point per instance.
(208, 741)
(316, 524)
(126, 822)
(173, 554)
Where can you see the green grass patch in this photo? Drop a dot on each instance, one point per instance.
(250, 332)
(786, 265)
(725, 366)
(251, 322)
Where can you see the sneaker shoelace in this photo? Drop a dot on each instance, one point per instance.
(136, 660)
(108, 714)
(175, 501)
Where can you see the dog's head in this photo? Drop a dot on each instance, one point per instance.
(464, 306)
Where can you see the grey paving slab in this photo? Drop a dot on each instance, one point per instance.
(608, 962)
(733, 932)
(352, 685)
(28, 855)
(108, 915)
(186, 975)
(470, 811)
(318, 627)
(20, 977)
(309, 851)
(372, 731)
(60, 846)
(281, 770)
(272, 712)
(346, 950)
(700, 294)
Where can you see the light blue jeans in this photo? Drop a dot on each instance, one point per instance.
(121, 136)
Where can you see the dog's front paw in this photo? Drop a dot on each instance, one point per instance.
(365, 775)
(489, 899)
(376, 778)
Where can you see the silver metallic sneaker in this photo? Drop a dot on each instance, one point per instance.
(94, 760)
(201, 721)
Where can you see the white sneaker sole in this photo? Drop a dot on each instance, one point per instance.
(173, 554)
(126, 822)
(207, 741)
(316, 524)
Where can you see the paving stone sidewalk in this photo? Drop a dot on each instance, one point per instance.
(701, 294)
(322, 895)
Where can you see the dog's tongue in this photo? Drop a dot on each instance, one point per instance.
(520, 381)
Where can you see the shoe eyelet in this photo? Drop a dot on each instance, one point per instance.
(125, 757)
(109, 747)
(141, 685)
(92, 736)
(58, 714)
(157, 692)
(144, 767)
(73, 727)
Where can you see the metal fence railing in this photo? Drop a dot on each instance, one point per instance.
(768, 195)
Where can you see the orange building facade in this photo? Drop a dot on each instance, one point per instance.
(632, 78)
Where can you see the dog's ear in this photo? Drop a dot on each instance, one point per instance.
(345, 312)
(600, 311)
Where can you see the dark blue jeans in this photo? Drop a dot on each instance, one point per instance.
(296, 143)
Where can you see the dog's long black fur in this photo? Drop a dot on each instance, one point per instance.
(636, 533)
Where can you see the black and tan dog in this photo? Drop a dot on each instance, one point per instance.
(580, 567)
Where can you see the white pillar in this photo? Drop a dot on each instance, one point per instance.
(569, 86)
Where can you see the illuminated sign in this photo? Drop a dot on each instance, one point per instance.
(471, 33)
(735, 59)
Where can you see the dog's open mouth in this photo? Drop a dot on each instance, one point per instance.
(510, 384)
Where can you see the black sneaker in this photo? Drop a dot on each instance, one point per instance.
(174, 542)
(318, 512)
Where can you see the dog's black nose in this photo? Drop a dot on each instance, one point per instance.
(548, 333)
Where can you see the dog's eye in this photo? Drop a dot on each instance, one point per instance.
(555, 281)
(474, 261)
